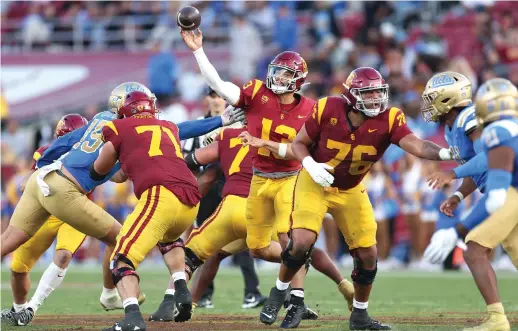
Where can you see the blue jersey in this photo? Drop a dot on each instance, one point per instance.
(503, 133)
(462, 146)
(79, 149)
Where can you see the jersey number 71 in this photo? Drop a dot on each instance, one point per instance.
(156, 139)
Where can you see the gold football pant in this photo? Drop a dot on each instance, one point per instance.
(158, 217)
(68, 238)
(268, 209)
(351, 209)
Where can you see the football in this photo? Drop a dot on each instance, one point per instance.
(188, 18)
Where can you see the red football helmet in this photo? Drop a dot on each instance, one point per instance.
(286, 73)
(69, 123)
(366, 91)
(137, 102)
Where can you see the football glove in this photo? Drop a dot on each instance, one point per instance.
(442, 243)
(318, 171)
(232, 115)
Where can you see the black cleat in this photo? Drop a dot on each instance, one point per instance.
(182, 301)
(360, 320)
(132, 321)
(272, 306)
(294, 315)
(253, 300)
(309, 314)
(165, 312)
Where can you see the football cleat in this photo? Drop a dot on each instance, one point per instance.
(205, 302)
(360, 320)
(272, 306)
(131, 322)
(182, 302)
(115, 301)
(23, 317)
(294, 315)
(165, 312)
(253, 300)
(493, 322)
(309, 314)
(7, 316)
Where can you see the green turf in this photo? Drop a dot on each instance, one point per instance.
(395, 294)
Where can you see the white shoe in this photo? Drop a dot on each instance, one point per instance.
(390, 264)
(111, 302)
(504, 264)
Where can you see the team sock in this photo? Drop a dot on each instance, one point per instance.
(496, 308)
(18, 307)
(51, 279)
(281, 286)
(360, 305)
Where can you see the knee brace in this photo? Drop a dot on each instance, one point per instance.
(192, 262)
(119, 272)
(165, 248)
(291, 261)
(360, 275)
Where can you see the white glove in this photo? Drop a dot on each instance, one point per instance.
(232, 115)
(318, 171)
(441, 245)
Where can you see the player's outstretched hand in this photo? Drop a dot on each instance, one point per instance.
(232, 115)
(192, 39)
(441, 245)
(449, 205)
(250, 140)
(439, 179)
(318, 171)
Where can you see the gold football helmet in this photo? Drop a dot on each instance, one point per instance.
(118, 95)
(496, 97)
(444, 91)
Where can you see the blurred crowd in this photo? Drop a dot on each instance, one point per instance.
(407, 41)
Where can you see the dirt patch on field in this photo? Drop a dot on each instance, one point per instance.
(240, 322)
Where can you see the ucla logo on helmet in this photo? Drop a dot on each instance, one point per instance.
(131, 88)
(442, 80)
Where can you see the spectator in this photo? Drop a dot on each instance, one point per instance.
(36, 31)
(285, 35)
(172, 110)
(162, 73)
(246, 47)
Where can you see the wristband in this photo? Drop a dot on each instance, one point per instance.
(459, 195)
(283, 148)
(445, 154)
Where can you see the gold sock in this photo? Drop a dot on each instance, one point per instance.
(496, 308)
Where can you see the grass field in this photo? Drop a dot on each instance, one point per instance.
(406, 300)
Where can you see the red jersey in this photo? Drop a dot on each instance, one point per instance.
(236, 162)
(268, 121)
(352, 153)
(150, 155)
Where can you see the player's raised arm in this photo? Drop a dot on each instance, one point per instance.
(227, 90)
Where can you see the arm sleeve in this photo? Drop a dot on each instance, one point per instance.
(398, 128)
(474, 167)
(228, 91)
(497, 179)
(111, 134)
(191, 129)
(61, 146)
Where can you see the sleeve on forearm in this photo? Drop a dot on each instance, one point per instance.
(191, 129)
(477, 215)
(226, 90)
(474, 167)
